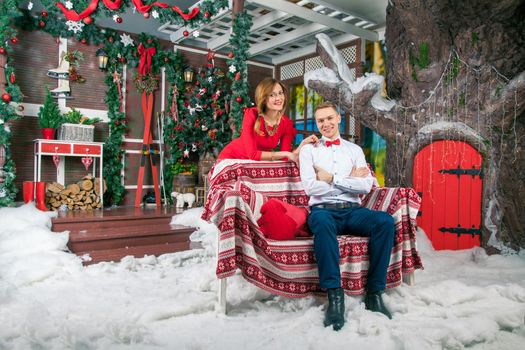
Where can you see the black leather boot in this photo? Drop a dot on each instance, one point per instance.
(374, 302)
(335, 312)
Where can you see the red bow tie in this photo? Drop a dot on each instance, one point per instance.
(336, 142)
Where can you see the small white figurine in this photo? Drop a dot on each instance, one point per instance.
(183, 198)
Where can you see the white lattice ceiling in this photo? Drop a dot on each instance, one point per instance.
(283, 30)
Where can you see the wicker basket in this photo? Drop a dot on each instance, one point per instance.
(76, 132)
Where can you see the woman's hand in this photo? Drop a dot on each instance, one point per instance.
(310, 139)
(294, 157)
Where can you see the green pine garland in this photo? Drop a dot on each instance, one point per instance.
(8, 111)
(172, 152)
(240, 89)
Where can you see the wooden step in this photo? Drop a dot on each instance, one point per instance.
(109, 235)
(138, 252)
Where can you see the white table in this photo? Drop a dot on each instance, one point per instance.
(68, 149)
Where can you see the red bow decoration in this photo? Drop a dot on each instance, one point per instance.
(87, 162)
(194, 12)
(145, 58)
(145, 8)
(336, 142)
(112, 5)
(72, 15)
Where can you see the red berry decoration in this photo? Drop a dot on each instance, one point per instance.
(88, 20)
(122, 59)
(238, 99)
(14, 40)
(6, 98)
(166, 59)
(83, 41)
(41, 24)
(207, 14)
(185, 33)
(110, 39)
(230, 54)
(238, 76)
(119, 19)
(146, 15)
(44, 13)
(12, 78)
(150, 41)
(2, 51)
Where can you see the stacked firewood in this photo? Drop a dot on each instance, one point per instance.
(83, 195)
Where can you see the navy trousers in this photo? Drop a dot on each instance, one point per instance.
(327, 224)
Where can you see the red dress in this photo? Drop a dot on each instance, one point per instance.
(250, 145)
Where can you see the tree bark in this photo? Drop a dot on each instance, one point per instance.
(471, 88)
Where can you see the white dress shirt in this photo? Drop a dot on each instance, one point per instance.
(339, 161)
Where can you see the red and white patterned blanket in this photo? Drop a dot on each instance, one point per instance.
(238, 189)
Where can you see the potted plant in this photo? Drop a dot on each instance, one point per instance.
(184, 176)
(49, 117)
(77, 126)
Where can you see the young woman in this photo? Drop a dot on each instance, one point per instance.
(264, 127)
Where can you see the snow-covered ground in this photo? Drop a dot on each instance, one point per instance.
(48, 300)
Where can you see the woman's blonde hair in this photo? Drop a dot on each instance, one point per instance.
(262, 92)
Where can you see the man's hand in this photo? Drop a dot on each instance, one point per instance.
(359, 172)
(323, 175)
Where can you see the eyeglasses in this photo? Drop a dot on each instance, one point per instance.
(277, 94)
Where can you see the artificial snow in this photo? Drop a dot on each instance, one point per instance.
(48, 300)
(370, 81)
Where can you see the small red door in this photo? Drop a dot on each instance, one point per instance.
(448, 177)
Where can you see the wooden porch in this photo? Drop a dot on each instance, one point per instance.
(113, 233)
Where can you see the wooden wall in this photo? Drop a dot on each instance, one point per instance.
(35, 53)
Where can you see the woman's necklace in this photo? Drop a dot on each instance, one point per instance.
(272, 131)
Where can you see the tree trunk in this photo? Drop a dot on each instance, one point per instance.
(456, 70)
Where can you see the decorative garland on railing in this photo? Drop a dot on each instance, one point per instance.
(9, 103)
(122, 50)
(238, 70)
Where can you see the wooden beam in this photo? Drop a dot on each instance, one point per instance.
(283, 39)
(310, 49)
(238, 6)
(259, 23)
(318, 18)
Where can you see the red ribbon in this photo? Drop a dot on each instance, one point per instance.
(72, 15)
(145, 8)
(145, 58)
(194, 12)
(112, 5)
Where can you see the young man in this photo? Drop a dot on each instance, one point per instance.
(334, 173)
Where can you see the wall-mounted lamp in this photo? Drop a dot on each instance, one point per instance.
(102, 59)
(188, 75)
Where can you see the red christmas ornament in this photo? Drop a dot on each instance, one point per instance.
(207, 14)
(230, 54)
(14, 40)
(110, 39)
(185, 33)
(238, 99)
(83, 41)
(146, 15)
(150, 41)
(12, 78)
(88, 20)
(119, 19)
(238, 76)
(41, 24)
(2, 51)
(166, 59)
(210, 65)
(122, 59)
(6, 98)
(44, 13)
